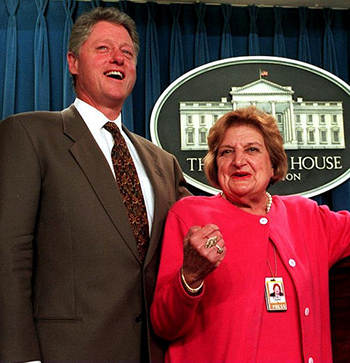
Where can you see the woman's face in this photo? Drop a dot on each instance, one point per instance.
(244, 165)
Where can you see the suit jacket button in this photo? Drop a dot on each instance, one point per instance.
(138, 319)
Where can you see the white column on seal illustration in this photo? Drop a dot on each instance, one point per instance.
(273, 108)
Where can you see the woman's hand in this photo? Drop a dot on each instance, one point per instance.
(204, 250)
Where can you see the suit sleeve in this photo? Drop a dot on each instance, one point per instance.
(181, 185)
(20, 182)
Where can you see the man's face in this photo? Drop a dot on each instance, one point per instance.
(105, 69)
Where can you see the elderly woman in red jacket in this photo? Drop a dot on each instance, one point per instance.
(222, 256)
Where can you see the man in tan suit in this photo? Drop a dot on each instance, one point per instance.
(72, 285)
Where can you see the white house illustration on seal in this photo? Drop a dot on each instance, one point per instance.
(303, 124)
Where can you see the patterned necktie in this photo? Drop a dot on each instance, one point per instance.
(130, 189)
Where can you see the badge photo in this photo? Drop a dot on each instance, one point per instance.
(275, 295)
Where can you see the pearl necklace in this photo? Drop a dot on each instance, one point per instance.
(269, 202)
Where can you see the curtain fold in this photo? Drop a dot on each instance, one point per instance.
(279, 48)
(152, 69)
(201, 50)
(41, 60)
(95, 3)
(330, 64)
(68, 93)
(329, 52)
(128, 107)
(253, 38)
(10, 60)
(304, 52)
(226, 49)
(176, 56)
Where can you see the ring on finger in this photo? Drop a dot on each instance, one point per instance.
(220, 250)
(211, 242)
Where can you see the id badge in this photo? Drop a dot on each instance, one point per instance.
(275, 295)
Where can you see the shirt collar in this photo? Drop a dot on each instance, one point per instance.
(94, 119)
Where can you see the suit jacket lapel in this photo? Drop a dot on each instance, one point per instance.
(161, 205)
(94, 165)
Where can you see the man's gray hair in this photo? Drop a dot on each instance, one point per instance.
(83, 26)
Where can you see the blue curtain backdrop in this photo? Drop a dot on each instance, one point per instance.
(41, 60)
(69, 7)
(304, 52)
(152, 69)
(10, 57)
(34, 75)
(176, 59)
(174, 39)
(254, 46)
(279, 48)
(226, 50)
(129, 103)
(201, 41)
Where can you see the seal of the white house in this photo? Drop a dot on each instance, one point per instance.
(311, 107)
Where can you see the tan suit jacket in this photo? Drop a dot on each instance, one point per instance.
(72, 287)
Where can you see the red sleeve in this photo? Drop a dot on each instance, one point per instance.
(173, 310)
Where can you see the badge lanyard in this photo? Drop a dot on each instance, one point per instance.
(275, 295)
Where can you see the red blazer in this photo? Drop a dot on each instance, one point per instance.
(222, 324)
(71, 284)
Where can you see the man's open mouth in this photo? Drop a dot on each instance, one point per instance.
(115, 74)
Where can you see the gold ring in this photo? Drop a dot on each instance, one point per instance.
(211, 242)
(220, 250)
